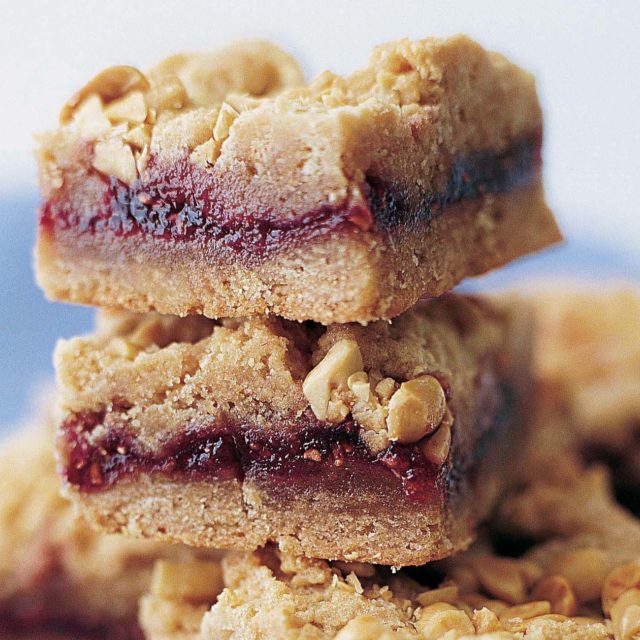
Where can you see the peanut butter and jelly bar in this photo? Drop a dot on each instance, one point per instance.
(219, 187)
(382, 443)
(56, 574)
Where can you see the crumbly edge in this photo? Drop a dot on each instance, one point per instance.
(54, 570)
(158, 373)
(588, 358)
(364, 279)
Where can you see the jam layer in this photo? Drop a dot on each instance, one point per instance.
(184, 202)
(211, 450)
(214, 451)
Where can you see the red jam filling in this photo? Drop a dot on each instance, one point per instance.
(216, 451)
(188, 203)
(222, 452)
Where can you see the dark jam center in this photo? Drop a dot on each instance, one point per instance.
(187, 203)
(223, 452)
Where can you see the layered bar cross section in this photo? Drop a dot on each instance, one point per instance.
(386, 443)
(216, 188)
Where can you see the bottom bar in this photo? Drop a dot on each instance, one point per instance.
(387, 443)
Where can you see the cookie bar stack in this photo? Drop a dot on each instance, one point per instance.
(278, 361)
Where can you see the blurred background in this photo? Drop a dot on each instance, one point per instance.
(584, 54)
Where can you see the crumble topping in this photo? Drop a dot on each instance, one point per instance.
(125, 113)
(404, 412)
(255, 369)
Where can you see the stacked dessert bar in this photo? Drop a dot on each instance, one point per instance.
(278, 364)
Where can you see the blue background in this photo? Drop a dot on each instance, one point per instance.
(30, 325)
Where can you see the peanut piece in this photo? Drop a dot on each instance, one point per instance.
(436, 619)
(226, 118)
(585, 569)
(385, 389)
(110, 84)
(525, 611)
(436, 447)
(558, 591)
(364, 628)
(625, 615)
(416, 409)
(621, 579)
(139, 136)
(485, 621)
(114, 158)
(197, 581)
(505, 578)
(358, 383)
(206, 154)
(447, 594)
(90, 119)
(130, 108)
(332, 372)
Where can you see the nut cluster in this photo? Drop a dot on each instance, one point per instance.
(119, 107)
(405, 412)
(497, 598)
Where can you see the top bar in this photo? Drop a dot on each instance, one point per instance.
(215, 185)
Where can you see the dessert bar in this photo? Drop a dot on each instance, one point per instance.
(386, 443)
(208, 187)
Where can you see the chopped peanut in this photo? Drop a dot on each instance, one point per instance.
(90, 119)
(333, 371)
(525, 611)
(131, 108)
(625, 615)
(621, 579)
(364, 628)
(505, 578)
(486, 621)
(558, 591)
(226, 118)
(109, 85)
(436, 447)
(114, 158)
(448, 593)
(139, 136)
(585, 569)
(358, 383)
(206, 154)
(436, 619)
(416, 409)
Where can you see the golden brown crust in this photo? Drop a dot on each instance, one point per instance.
(283, 163)
(142, 385)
